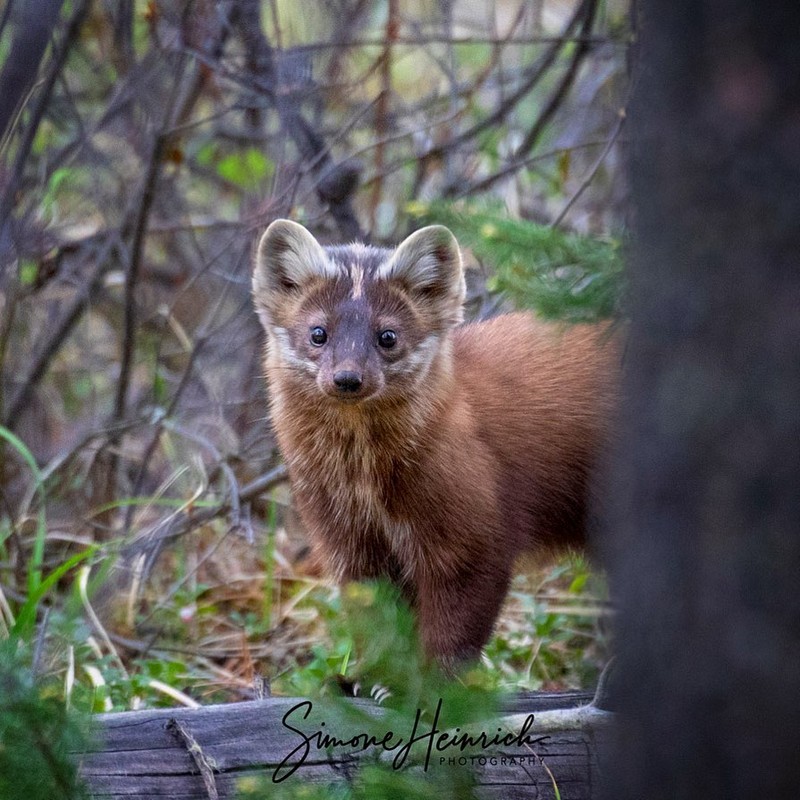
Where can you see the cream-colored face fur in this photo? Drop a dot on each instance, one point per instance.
(288, 256)
(358, 321)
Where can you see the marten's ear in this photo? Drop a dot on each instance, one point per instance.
(288, 256)
(428, 265)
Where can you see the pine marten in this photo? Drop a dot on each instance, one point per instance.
(421, 449)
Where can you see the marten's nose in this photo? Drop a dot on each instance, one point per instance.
(347, 380)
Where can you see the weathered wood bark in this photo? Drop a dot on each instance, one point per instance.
(707, 559)
(146, 754)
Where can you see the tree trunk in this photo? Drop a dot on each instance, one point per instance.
(705, 553)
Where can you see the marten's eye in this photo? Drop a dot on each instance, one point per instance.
(387, 339)
(318, 336)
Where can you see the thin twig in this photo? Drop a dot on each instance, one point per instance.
(593, 171)
(132, 275)
(335, 183)
(382, 107)
(421, 40)
(233, 484)
(73, 26)
(535, 75)
(59, 334)
(147, 548)
(587, 11)
(153, 443)
(564, 85)
(205, 764)
(264, 482)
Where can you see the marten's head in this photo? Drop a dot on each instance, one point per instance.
(357, 322)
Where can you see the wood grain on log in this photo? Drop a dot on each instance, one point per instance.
(164, 753)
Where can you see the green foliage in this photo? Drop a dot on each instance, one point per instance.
(37, 585)
(373, 782)
(376, 642)
(373, 642)
(28, 272)
(376, 645)
(26, 616)
(551, 633)
(97, 682)
(37, 734)
(560, 275)
(34, 567)
(557, 636)
(247, 169)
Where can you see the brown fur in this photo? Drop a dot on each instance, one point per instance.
(438, 482)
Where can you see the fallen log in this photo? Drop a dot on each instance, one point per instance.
(197, 754)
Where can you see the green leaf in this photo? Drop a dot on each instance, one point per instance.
(37, 735)
(246, 170)
(578, 583)
(62, 179)
(26, 618)
(205, 155)
(28, 271)
(35, 564)
(160, 388)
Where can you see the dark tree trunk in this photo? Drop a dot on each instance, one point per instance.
(35, 26)
(705, 559)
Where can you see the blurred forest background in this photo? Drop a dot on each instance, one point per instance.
(147, 544)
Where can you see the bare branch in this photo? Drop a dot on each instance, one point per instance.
(59, 334)
(132, 274)
(587, 11)
(336, 183)
(593, 171)
(535, 75)
(424, 41)
(37, 112)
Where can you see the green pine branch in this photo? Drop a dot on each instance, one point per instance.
(559, 275)
(38, 736)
